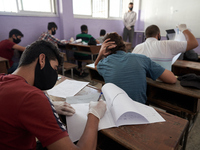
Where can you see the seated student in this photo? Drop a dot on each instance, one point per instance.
(8, 46)
(28, 112)
(49, 35)
(102, 35)
(79, 56)
(127, 70)
(162, 52)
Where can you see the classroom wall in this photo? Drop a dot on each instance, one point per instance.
(68, 26)
(31, 27)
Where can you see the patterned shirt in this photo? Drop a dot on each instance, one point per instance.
(50, 38)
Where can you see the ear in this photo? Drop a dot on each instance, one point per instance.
(42, 60)
(13, 36)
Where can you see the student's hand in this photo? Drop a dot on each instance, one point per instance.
(63, 108)
(104, 51)
(97, 108)
(182, 27)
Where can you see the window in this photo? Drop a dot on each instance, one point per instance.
(100, 8)
(23, 7)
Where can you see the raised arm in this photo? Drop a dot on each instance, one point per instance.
(88, 140)
(168, 77)
(191, 40)
(104, 51)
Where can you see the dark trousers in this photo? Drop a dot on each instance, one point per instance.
(77, 57)
(128, 34)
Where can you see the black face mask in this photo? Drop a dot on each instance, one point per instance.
(130, 8)
(53, 32)
(17, 40)
(45, 78)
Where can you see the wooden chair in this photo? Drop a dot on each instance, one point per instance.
(67, 66)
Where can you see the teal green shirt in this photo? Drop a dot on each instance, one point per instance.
(84, 36)
(129, 71)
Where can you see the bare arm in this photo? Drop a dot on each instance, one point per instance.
(104, 51)
(191, 40)
(168, 77)
(87, 141)
(97, 42)
(18, 47)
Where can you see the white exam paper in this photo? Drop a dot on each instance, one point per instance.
(67, 88)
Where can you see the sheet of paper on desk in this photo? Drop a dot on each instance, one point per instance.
(121, 110)
(67, 88)
(175, 58)
(82, 98)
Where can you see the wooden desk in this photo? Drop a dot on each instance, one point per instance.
(91, 49)
(85, 49)
(163, 135)
(94, 75)
(157, 136)
(182, 67)
(4, 65)
(173, 97)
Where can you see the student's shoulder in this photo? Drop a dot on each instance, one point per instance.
(6, 41)
(138, 56)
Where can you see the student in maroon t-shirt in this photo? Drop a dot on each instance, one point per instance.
(8, 46)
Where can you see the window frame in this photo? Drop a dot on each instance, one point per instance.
(108, 11)
(53, 13)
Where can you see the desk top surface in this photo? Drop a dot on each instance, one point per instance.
(187, 64)
(175, 88)
(86, 90)
(162, 135)
(83, 45)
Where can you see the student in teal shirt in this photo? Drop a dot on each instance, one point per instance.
(127, 70)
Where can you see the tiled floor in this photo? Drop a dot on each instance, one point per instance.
(193, 142)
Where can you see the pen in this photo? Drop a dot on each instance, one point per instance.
(100, 96)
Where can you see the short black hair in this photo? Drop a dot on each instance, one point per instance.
(33, 51)
(152, 31)
(102, 32)
(52, 25)
(84, 28)
(16, 32)
(131, 3)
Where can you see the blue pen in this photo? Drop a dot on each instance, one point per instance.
(100, 96)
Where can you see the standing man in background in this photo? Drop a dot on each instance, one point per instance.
(129, 23)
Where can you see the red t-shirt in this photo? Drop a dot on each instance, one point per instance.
(26, 113)
(6, 50)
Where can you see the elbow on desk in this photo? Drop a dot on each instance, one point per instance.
(173, 81)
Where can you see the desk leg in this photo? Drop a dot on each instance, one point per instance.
(92, 57)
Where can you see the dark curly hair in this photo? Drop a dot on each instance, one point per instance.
(118, 41)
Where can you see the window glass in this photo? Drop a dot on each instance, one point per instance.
(115, 9)
(100, 8)
(36, 5)
(8, 5)
(82, 7)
